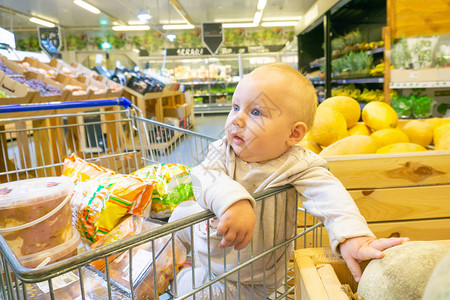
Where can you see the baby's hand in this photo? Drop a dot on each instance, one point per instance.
(237, 224)
(357, 249)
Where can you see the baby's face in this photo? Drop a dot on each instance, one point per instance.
(259, 123)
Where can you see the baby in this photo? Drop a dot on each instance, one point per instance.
(272, 109)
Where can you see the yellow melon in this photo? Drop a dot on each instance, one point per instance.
(418, 132)
(441, 133)
(436, 122)
(329, 126)
(359, 129)
(379, 115)
(307, 137)
(313, 146)
(347, 106)
(389, 136)
(401, 147)
(443, 143)
(354, 144)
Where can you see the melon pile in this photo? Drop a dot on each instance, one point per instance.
(336, 130)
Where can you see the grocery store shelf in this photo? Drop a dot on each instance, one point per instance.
(205, 82)
(212, 108)
(426, 84)
(353, 80)
(373, 51)
(318, 81)
(376, 50)
(359, 80)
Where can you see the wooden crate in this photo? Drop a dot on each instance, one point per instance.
(151, 104)
(319, 274)
(404, 194)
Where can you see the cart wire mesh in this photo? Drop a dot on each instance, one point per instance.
(122, 140)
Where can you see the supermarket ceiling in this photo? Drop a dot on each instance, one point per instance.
(15, 14)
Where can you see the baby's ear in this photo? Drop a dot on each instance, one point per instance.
(298, 131)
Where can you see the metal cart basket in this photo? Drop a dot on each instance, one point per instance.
(35, 140)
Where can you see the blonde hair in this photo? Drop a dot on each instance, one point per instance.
(298, 89)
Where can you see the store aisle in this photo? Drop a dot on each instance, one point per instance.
(210, 125)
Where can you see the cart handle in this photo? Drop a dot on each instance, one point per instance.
(122, 101)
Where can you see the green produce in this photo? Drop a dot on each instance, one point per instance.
(422, 106)
(3, 94)
(402, 106)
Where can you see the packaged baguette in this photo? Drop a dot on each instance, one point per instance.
(81, 171)
(102, 197)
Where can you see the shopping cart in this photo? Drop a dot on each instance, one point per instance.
(34, 141)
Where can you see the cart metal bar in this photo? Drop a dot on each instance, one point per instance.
(122, 101)
(252, 260)
(29, 275)
(167, 126)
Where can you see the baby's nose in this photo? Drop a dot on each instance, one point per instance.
(239, 120)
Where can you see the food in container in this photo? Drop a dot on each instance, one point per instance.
(35, 214)
(52, 255)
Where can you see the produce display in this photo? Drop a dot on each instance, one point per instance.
(415, 105)
(23, 202)
(54, 79)
(331, 135)
(402, 273)
(7, 70)
(352, 41)
(366, 95)
(38, 85)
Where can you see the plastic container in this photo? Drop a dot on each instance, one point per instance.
(52, 255)
(35, 214)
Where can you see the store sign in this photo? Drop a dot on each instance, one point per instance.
(223, 50)
(212, 36)
(187, 51)
(50, 40)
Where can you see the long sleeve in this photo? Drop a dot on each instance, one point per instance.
(328, 199)
(212, 182)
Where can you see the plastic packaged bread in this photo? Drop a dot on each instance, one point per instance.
(79, 170)
(35, 214)
(143, 268)
(102, 198)
(173, 186)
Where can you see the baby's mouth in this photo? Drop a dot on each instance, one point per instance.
(237, 139)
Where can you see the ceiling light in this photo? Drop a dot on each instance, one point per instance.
(171, 37)
(279, 24)
(179, 26)
(282, 19)
(106, 45)
(233, 20)
(87, 6)
(115, 23)
(41, 22)
(136, 22)
(131, 28)
(144, 16)
(261, 4)
(239, 25)
(257, 18)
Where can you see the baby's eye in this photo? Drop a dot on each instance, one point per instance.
(256, 112)
(235, 107)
